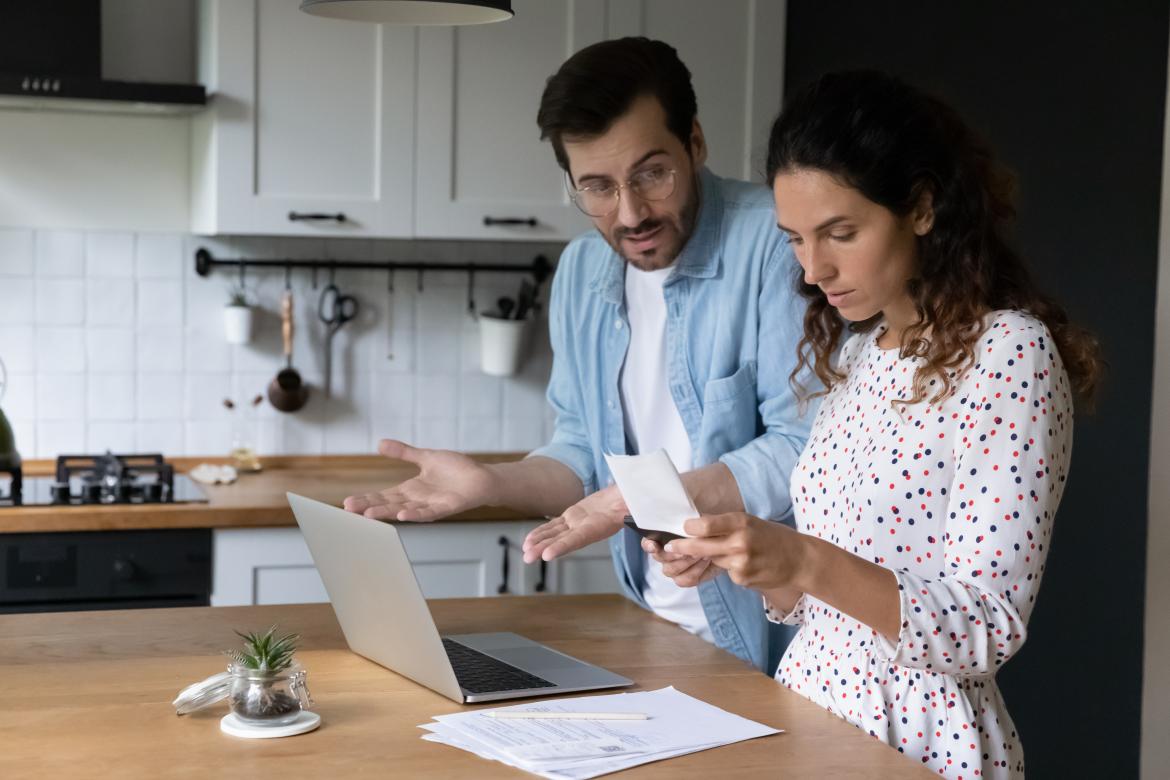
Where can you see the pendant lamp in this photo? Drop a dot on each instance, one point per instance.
(412, 12)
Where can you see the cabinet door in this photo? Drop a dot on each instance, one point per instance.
(589, 570)
(479, 150)
(308, 116)
(735, 52)
(263, 566)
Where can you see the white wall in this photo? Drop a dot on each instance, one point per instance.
(91, 171)
(1155, 746)
(112, 341)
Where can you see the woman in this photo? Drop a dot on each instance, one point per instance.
(925, 497)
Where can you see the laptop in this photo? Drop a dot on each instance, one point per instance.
(385, 618)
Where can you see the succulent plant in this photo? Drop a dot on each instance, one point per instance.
(265, 652)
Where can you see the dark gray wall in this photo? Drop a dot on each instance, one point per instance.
(1071, 96)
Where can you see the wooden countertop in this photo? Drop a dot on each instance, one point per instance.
(254, 500)
(88, 694)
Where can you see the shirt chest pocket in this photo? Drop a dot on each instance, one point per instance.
(730, 413)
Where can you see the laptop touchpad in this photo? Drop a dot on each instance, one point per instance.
(534, 658)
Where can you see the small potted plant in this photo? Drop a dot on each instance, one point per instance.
(237, 316)
(268, 685)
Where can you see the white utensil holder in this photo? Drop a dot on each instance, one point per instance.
(503, 344)
(237, 324)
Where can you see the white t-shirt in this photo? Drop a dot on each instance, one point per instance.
(652, 422)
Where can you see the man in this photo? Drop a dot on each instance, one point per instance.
(674, 325)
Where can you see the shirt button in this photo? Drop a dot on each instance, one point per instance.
(618, 325)
(609, 404)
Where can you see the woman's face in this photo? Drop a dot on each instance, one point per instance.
(858, 252)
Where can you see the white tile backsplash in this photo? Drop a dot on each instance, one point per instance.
(18, 347)
(64, 437)
(112, 340)
(158, 256)
(112, 436)
(60, 253)
(160, 396)
(160, 302)
(17, 301)
(61, 349)
(16, 252)
(60, 302)
(61, 397)
(110, 349)
(161, 436)
(109, 302)
(20, 397)
(160, 349)
(109, 255)
(110, 397)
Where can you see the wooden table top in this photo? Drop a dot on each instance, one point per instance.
(254, 500)
(88, 694)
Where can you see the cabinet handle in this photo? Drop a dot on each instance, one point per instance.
(541, 584)
(503, 588)
(529, 221)
(297, 216)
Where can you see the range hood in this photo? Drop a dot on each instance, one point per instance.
(71, 55)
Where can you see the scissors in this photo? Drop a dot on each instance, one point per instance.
(335, 310)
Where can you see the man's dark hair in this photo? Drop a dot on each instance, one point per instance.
(597, 85)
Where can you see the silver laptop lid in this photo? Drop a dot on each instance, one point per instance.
(374, 592)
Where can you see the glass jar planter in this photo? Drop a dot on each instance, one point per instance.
(262, 698)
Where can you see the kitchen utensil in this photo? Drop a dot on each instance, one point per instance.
(505, 305)
(287, 392)
(334, 309)
(525, 299)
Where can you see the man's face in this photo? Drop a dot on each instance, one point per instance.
(649, 234)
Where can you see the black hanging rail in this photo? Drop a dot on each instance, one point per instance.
(540, 267)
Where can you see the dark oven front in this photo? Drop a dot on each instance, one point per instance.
(57, 572)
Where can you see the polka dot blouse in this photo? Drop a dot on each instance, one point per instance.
(957, 499)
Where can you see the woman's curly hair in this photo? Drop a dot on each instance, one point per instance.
(895, 144)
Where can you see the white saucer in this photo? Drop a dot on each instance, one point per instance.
(306, 721)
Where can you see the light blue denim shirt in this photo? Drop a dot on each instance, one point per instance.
(733, 322)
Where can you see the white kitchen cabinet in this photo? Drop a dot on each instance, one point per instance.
(431, 132)
(450, 559)
(735, 52)
(480, 157)
(308, 116)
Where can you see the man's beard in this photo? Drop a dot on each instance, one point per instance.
(665, 254)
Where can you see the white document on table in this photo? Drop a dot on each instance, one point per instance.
(653, 491)
(580, 749)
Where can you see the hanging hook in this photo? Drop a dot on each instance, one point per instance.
(420, 285)
(332, 270)
(471, 290)
(390, 279)
(314, 277)
(288, 276)
(243, 265)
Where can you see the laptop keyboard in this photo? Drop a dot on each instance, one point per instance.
(480, 673)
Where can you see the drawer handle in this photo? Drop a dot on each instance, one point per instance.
(297, 216)
(503, 588)
(492, 221)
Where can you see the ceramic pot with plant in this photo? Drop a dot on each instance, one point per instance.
(268, 686)
(237, 317)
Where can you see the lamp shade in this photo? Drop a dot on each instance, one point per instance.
(412, 12)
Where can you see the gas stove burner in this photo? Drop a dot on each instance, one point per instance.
(13, 494)
(96, 480)
(113, 479)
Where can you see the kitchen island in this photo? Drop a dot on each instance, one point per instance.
(88, 694)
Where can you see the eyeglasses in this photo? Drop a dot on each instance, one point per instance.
(601, 200)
